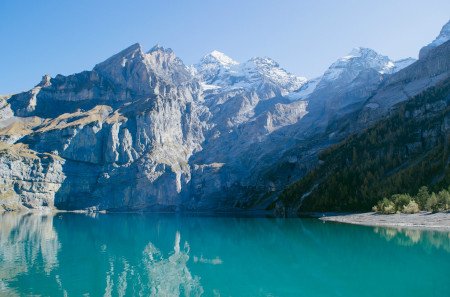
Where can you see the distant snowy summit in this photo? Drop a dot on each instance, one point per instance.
(217, 70)
(359, 59)
(219, 73)
(346, 69)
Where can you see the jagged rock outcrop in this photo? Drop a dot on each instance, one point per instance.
(133, 151)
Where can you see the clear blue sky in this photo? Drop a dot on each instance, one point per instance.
(62, 36)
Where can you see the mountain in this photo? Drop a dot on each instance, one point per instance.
(397, 155)
(143, 131)
(331, 101)
(215, 67)
(122, 134)
(399, 142)
(427, 72)
(260, 128)
(218, 71)
(346, 70)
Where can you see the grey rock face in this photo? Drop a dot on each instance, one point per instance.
(5, 109)
(28, 179)
(132, 152)
(116, 159)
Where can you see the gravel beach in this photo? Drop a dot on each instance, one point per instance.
(419, 220)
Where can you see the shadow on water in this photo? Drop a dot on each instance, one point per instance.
(172, 255)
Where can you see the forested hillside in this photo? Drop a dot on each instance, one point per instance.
(408, 149)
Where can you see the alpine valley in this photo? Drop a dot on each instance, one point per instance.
(142, 131)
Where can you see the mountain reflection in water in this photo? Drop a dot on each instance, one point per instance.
(175, 255)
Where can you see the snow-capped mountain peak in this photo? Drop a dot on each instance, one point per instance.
(214, 67)
(360, 59)
(367, 56)
(357, 60)
(263, 62)
(267, 69)
(222, 58)
(218, 70)
(382, 64)
(358, 52)
(218, 58)
(347, 68)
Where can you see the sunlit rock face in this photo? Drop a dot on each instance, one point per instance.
(28, 179)
(125, 130)
(143, 131)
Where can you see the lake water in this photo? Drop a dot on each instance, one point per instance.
(171, 255)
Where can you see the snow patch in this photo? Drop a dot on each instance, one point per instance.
(222, 58)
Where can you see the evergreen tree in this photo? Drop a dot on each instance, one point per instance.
(422, 197)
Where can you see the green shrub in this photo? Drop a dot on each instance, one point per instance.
(432, 203)
(411, 207)
(401, 200)
(443, 198)
(385, 206)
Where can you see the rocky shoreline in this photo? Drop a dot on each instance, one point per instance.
(424, 220)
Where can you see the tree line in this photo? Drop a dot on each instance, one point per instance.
(423, 200)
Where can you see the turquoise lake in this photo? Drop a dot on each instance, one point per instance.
(178, 255)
